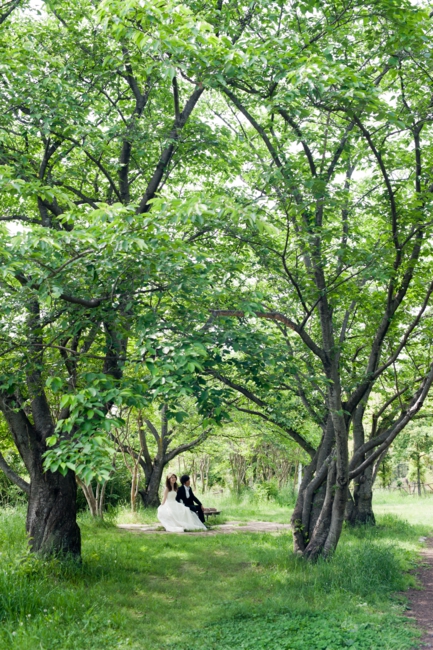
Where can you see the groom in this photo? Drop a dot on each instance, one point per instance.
(186, 496)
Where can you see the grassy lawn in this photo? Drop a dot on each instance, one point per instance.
(413, 509)
(222, 592)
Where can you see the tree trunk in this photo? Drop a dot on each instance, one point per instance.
(193, 475)
(101, 500)
(312, 491)
(361, 511)
(51, 516)
(418, 475)
(94, 501)
(134, 487)
(150, 495)
(90, 497)
(52, 509)
(319, 534)
(319, 514)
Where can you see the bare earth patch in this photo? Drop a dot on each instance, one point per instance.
(421, 601)
(232, 527)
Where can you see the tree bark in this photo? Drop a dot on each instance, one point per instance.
(52, 510)
(90, 497)
(319, 534)
(51, 516)
(150, 495)
(360, 508)
(361, 512)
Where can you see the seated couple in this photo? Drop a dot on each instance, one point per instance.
(177, 511)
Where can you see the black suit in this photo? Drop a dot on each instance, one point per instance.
(189, 501)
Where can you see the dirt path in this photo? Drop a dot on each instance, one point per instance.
(232, 527)
(421, 601)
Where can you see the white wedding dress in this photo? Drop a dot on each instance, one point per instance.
(176, 518)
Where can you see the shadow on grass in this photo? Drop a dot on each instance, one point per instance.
(226, 591)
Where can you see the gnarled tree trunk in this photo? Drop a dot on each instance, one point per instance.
(52, 513)
(150, 494)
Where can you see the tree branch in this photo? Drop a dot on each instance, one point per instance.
(9, 9)
(383, 441)
(188, 445)
(290, 432)
(168, 152)
(92, 302)
(284, 114)
(276, 316)
(13, 476)
(152, 429)
(388, 185)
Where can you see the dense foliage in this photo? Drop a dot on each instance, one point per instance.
(208, 211)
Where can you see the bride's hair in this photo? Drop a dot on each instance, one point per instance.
(168, 484)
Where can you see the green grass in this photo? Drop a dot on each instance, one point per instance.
(416, 510)
(222, 592)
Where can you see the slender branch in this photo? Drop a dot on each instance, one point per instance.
(176, 99)
(152, 429)
(388, 185)
(392, 399)
(168, 152)
(290, 432)
(188, 445)
(407, 334)
(276, 316)
(383, 441)
(19, 217)
(97, 162)
(284, 114)
(9, 9)
(92, 302)
(260, 130)
(257, 400)
(81, 195)
(339, 150)
(13, 476)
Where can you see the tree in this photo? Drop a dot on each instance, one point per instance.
(415, 446)
(385, 472)
(245, 454)
(91, 131)
(182, 426)
(340, 177)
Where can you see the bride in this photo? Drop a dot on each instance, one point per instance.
(174, 516)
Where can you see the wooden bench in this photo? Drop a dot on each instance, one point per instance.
(210, 511)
